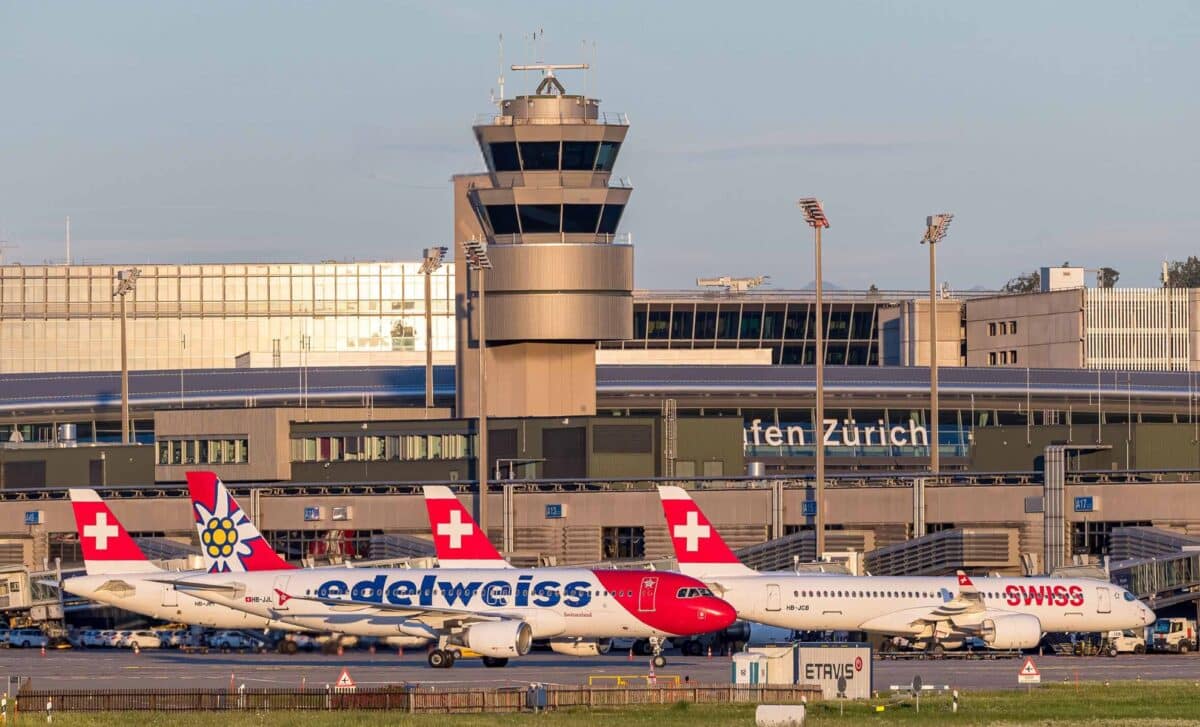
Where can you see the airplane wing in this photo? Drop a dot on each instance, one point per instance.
(964, 611)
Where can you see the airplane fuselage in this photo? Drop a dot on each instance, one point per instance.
(888, 604)
(558, 602)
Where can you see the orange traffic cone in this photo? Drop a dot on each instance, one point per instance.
(372, 650)
(400, 651)
(340, 650)
(631, 653)
(710, 652)
(43, 649)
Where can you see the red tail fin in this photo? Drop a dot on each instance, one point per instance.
(699, 548)
(459, 541)
(107, 547)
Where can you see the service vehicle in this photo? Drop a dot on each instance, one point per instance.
(1175, 635)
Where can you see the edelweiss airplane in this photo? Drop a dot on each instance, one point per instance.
(1005, 613)
(118, 574)
(494, 611)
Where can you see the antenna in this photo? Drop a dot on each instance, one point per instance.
(68, 239)
(5, 246)
(500, 79)
(549, 82)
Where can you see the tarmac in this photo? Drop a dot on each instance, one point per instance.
(164, 669)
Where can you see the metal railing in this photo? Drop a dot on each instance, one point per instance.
(607, 118)
(403, 698)
(900, 479)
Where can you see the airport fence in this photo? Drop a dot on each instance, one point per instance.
(410, 699)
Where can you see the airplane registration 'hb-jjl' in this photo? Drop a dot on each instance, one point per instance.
(458, 540)
(118, 574)
(1005, 613)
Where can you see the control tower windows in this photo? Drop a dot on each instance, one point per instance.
(503, 218)
(608, 155)
(609, 218)
(537, 218)
(504, 157)
(540, 156)
(580, 217)
(579, 156)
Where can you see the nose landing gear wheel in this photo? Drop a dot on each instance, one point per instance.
(495, 661)
(659, 661)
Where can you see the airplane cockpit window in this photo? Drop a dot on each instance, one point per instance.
(1128, 596)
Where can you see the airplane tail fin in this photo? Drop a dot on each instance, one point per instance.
(699, 548)
(229, 541)
(459, 540)
(107, 547)
(965, 585)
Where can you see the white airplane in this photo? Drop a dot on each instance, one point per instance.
(119, 574)
(936, 612)
(494, 611)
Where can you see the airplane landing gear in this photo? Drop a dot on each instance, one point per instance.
(441, 659)
(657, 658)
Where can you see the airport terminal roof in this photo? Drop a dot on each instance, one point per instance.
(342, 385)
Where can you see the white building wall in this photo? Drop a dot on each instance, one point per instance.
(1136, 329)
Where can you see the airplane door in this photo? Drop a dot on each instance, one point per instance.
(170, 596)
(647, 594)
(1103, 601)
(281, 593)
(774, 599)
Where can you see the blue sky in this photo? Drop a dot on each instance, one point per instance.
(188, 131)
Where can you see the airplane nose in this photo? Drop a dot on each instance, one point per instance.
(718, 614)
(1148, 616)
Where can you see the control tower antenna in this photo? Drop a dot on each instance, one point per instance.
(549, 82)
(499, 100)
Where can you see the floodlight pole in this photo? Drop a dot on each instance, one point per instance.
(127, 279)
(935, 230)
(428, 341)
(819, 428)
(482, 463)
(432, 261)
(814, 215)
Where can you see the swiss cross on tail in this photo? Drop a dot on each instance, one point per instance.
(106, 546)
(229, 541)
(699, 548)
(459, 541)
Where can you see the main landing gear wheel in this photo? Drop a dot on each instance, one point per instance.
(495, 661)
(440, 659)
(659, 661)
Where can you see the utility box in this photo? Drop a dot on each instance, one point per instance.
(749, 669)
(1062, 278)
(823, 664)
(781, 663)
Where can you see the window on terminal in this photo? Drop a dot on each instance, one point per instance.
(503, 218)
(579, 156)
(504, 157)
(607, 156)
(581, 218)
(537, 218)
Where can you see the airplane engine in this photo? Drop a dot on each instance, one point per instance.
(500, 639)
(580, 647)
(1018, 631)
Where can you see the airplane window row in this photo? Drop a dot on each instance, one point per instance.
(507, 592)
(881, 594)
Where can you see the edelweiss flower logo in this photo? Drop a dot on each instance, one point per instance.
(227, 535)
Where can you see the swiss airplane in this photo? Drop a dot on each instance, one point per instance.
(493, 610)
(119, 574)
(936, 612)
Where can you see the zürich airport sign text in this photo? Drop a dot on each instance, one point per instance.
(838, 433)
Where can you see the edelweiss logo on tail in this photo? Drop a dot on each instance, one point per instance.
(229, 542)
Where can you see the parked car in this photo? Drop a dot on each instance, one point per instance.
(93, 638)
(234, 641)
(140, 639)
(4, 633)
(27, 638)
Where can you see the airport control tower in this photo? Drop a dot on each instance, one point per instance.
(544, 217)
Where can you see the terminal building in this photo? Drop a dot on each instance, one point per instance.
(1068, 419)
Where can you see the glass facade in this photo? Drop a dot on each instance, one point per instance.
(786, 327)
(65, 318)
(381, 448)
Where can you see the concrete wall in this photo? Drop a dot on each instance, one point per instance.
(73, 466)
(1049, 329)
(904, 333)
(1142, 446)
